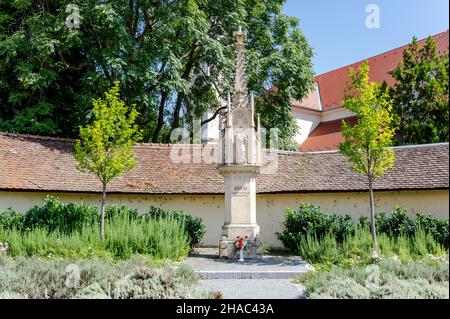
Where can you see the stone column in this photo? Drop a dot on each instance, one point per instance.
(240, 211)
(240, 167)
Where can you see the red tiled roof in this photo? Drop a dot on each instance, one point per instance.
(332, 84)
(41, 164)
(327, 136)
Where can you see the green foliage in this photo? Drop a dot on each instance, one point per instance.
(310, 220)
(69, 230)
(158, 51)
(37, 278)
(325, 238)
(387, 280)
(194, 226)
(57, 228)
(325, 250)
(357, 248)
(396, 223)
(64, 217)
(125, 237)
(112, 212)
(161, 238)
(54, 244)
(438, 228)
(105, 146)
(399, 222)
(420, 94)
(366, 141)
(165, 283)
(275, 112)
(10, 219)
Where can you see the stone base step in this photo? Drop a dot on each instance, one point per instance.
(250, 274)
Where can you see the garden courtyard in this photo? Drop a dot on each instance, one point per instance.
(187, 150)
(54, 251)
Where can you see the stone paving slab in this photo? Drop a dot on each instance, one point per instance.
(208, 265)
(254, 288)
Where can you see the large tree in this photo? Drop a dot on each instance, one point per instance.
(420, 94)
(171, 57)
(366, 142)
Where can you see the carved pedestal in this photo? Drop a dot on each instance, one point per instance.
(240, 211)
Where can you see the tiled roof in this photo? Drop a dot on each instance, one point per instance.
(30, 163)
(332, 84)
(326, 137)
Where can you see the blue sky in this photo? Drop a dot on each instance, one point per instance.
(338, 34)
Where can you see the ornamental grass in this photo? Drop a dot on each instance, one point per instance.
(158, 238)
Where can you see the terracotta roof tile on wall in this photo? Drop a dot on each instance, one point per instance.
(29, 163)
(332, 83)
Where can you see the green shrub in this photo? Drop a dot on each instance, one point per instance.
(10, 219)
(160, 238)
(115, 211)
(69, 217)
(400, 223)
(65, 217)
(194, 226)
(345, 288)
(357, 248)
(395, 223)
(41, 242)
(438, 228)
(325, 250)
(310, 220)
(164, 283)
(388, 279)
(37, 278)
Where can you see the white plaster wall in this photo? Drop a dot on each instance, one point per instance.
(210, 131)
(269, 207)
(335, 114)
(307, 121)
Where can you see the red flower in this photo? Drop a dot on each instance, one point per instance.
(240, 243)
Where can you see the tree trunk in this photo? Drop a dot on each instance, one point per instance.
(176, 113)
(160, 122)
(102, 213)
(372, 220)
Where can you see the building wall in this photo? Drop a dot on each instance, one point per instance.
(210, 131)
(335, 114)
(270, 207)
(307, 121)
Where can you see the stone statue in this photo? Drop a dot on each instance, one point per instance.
(241, 149)
(240, 167)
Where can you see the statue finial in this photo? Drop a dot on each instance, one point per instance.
(240, 98)
(240, 36)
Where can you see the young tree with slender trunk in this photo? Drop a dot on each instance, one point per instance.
(105, 146)
(366, 142)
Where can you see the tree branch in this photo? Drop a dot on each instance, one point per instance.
(214, 115)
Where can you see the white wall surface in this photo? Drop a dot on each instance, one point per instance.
(269, 207)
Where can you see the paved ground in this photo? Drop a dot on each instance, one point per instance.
(254, 288)
(281, 267)
(269, 277)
